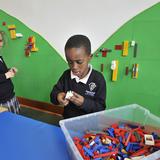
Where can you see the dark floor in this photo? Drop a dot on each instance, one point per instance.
(41, 116)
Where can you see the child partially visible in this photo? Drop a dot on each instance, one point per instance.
(7, 94)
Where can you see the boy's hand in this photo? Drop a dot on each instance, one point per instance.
(14, 69)
(77, 99)
(61, 99)
(11, 73)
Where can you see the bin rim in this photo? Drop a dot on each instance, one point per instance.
(133, 106)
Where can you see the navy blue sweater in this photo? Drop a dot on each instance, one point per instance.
(6, 85)
(94, 93)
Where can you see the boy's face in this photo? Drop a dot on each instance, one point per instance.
(78, 60)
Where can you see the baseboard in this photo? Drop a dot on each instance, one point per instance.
(41, 106)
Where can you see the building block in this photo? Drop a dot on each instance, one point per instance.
(135, 70)
(32, 40)
(27, 52)
(118, 47)
(12, 30)
(30, 47)
(19, 35)
(135, 50)
(133, 43)
(114, 67)
(105, 51)
(125, 48)
(127, 71)
(4, 23)
(69, 94)
(102, 67)
(128, 139)
(140, 152)
(149, 140)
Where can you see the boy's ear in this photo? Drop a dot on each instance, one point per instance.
(90, 57)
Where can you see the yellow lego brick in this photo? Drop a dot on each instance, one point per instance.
(13, 34)
(125, 48)
(34, 49)
(12, 29)
(124, 151)
(115, 71)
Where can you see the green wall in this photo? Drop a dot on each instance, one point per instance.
(37, 73)
(41, 70)
(145, 30)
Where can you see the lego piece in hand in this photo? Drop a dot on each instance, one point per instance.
(69, 94)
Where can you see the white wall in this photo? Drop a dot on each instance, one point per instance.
(57, 20)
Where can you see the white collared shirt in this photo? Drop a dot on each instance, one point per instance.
(83, 80)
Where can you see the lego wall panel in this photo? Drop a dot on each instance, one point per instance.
(139, 83)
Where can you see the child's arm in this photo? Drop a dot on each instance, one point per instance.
(54, 93)
(61, 99)
(58, 94)
(2, 78)
(9, 74)
(77, 99)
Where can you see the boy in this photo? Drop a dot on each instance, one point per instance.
(7, 95)
(86, 86)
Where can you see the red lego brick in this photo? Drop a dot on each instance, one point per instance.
(118, 47)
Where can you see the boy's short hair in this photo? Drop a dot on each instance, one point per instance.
(78, 41)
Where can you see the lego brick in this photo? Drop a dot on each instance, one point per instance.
(127, 71)
(135, 71)
(125, 48)
(114, 67)
(102, 67)
(12, 30)
(135, 50)
(118, 47)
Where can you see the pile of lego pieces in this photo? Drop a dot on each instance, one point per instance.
(118, 142)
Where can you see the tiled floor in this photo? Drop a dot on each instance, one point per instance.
(41, 116)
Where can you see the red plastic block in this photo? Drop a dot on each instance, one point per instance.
(118, 47)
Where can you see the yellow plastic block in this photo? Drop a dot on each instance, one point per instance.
(34, 49)
(115, 71)
(125, 48)
(13, 34)
(135, 71)
(12, 29)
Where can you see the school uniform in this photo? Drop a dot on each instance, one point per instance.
(7, 94)
(92, 87)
